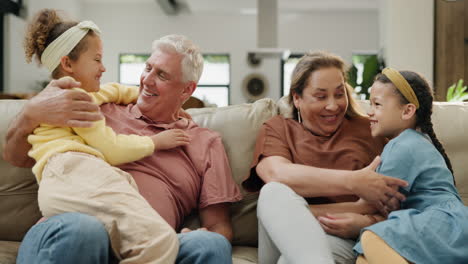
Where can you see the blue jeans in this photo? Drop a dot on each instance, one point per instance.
(203, 247)
(66, 238)
(74, 238)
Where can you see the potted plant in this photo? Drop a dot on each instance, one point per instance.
(365, 66)
(457, 92)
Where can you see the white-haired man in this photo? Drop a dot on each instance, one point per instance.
(175, 182)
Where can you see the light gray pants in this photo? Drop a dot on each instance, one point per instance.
(289, 232)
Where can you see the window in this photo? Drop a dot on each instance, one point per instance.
(6, 7)
(131, 67)
(287, 67)
(213, 87)
(2, 62)
(365, 66)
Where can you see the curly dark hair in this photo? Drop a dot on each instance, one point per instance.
(44, 28)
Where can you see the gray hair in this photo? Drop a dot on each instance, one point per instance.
(192, 62)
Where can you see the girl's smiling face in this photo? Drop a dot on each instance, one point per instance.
(387, 113)
(88, 68)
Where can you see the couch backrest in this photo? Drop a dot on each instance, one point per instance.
(451, 127)
(18, 188)
(238, 126)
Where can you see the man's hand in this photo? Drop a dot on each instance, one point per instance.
(57, 105)
(53, 106)
(345, 225)
(377, 189)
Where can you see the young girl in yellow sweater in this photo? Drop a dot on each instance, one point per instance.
(138, 233)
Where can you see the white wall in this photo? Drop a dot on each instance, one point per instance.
(408, 35)
(20, 76)
(341, 32)
(131, 28)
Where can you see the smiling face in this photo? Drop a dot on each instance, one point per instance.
(388, 116)
(162, 91)
(323, 103)
(88, 68)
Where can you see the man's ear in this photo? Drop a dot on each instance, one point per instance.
(188, 90)
(409, 111)
(65, 62)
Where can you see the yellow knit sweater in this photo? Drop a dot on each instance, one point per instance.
(98, 140)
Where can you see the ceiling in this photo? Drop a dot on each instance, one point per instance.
(250, 6)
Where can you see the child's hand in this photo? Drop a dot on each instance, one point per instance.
(170, 139)
(366, 206)
(344, 225)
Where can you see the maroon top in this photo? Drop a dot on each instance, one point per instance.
(181, 179)
(351, 147)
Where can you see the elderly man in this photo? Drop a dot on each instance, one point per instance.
(174, 183)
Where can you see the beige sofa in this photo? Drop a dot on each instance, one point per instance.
(238, 126)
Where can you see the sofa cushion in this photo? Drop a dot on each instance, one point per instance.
(244, 255)
(451, 127)
(238, 126)
(240, 255)
(8, 252)
(18, 188)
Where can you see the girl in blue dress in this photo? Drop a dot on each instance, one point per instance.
(432, 224)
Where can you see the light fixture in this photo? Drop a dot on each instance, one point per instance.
(254, 57)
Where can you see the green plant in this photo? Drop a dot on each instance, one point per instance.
(363, 70)
(456, 92)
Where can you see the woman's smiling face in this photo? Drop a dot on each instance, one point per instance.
(323, 102)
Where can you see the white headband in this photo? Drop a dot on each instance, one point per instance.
(65, 43)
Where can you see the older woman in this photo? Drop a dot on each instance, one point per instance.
(321, 154)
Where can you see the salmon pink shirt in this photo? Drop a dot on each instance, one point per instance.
(351, 147)
(178, 180)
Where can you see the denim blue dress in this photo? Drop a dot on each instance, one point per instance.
(432, 224)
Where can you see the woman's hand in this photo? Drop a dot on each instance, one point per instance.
(345, 225)
(380, 190)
